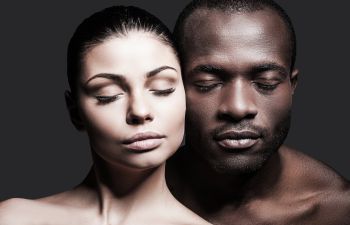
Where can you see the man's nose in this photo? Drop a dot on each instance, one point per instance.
(139, 111)
(238, 101)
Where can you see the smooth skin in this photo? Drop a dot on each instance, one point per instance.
(129, 85)
(239, 82)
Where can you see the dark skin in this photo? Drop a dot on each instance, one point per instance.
(235, 168)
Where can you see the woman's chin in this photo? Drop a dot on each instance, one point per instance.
(139, 160)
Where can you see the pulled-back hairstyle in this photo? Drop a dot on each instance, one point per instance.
(115, 21)
(234, 6)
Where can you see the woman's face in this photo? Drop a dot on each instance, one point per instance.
(132, 101)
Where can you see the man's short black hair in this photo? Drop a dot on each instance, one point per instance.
(234, 6)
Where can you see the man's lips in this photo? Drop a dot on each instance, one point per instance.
(144, 141)
(237, 139)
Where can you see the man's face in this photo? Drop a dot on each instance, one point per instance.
(239, 87)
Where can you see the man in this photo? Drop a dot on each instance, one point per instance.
(238, 65)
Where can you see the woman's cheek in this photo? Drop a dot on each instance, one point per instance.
(104, 120)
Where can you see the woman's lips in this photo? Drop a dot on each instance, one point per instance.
(144, 141)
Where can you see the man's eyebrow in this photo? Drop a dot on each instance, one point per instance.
(206, 69)
(158, 70)
(110, 76)
(260, 68)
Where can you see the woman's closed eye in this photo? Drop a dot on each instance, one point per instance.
(105, 99)
(162, 92)
(162, 86)
(105, 91)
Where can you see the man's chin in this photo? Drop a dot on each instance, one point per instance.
(239, 164)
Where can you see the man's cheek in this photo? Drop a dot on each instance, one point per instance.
(200, 110)
(277, 106)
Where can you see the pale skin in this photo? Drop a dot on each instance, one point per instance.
(238, 77)
(129, 85)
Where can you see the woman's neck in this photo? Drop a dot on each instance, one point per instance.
(121, 191)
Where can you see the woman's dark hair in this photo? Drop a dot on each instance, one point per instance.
(115, 21)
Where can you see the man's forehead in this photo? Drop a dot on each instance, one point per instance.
(208, 20)
(216, 35)
(214, 25)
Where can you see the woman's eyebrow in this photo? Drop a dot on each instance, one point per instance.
(110, 76)
(158, 70)
(121, 78)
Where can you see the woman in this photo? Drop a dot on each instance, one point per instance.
(127, 94)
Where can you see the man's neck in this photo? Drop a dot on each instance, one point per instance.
(204, 190)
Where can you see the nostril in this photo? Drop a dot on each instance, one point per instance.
(138, 110)
(237, 110)
(238, 102)
(229, 116)
(134, 119)
(149, 118)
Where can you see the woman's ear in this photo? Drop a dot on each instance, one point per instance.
(73, 111)
(294, 79)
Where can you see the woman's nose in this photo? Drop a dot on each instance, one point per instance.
(138, 111)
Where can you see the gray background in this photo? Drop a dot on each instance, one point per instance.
(41, 152)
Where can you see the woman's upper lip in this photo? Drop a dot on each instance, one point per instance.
(232, 134)
(143, 136)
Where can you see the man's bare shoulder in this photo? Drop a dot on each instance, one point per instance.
(316, 175)
(320, 185)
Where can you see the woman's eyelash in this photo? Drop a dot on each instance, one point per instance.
(107, 99)
(102, 99)
(165, 92)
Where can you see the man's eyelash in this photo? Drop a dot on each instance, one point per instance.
(205, 88)
(267, 87)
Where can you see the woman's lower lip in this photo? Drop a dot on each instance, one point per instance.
(237, 143)
(144, 145)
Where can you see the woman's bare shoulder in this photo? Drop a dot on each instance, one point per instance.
(18, 211)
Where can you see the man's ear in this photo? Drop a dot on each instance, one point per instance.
(73, 111)
(294, 79)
